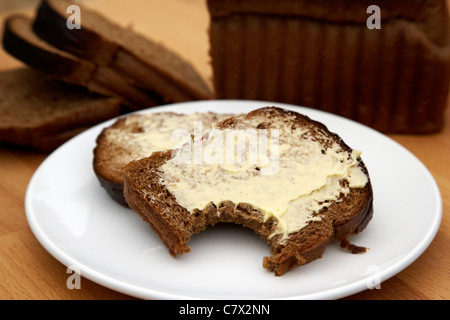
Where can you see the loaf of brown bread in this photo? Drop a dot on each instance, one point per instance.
(322, 54)
(137, 136)
(20, 41)
(314, 189)
(41, 113)
(150, 65)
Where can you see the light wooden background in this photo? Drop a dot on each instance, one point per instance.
(27, 271)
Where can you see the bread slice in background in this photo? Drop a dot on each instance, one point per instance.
(42, 113)
(21, 42)
(152, 66)
(160, 200)
(137, 136)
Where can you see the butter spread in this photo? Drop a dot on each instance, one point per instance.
(144, 134)
(303, 175)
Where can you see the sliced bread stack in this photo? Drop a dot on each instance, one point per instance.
(20, 40)
(77, 78)
(102, 56)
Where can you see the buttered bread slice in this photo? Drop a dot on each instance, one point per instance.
(278, 172)
(136, 136)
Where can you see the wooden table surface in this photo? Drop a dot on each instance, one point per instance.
(28, 271)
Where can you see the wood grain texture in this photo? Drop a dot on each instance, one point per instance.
(27, 271)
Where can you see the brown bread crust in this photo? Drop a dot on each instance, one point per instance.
(20, 41)
(151, 66)
(175, 225)
(110, 178)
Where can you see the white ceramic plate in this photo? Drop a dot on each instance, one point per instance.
(76, 221)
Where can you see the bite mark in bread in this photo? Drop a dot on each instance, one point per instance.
(147, 193)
